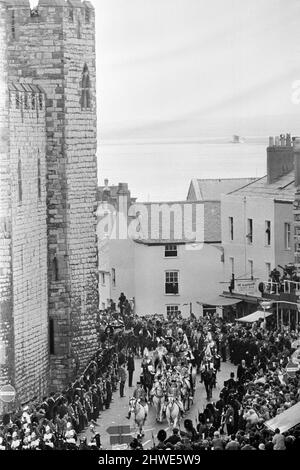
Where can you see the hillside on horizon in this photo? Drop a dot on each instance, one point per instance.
(200, 128)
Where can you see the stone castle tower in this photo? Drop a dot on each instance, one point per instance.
(48, 125)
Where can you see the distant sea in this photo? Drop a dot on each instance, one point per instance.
(161, 170)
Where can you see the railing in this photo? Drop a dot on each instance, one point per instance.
(291, 286)
(272, 287)
(286, 286)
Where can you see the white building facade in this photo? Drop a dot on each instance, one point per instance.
(257, 223)
(159, 266)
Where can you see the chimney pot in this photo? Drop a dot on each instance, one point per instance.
(296, 142)
(280, 158)
(271, 141)
(123, 186)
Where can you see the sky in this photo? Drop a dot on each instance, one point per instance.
(164, 62)
(192, 70)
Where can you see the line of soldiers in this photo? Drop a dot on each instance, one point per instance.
(58, 420)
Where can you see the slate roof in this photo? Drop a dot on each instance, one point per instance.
(282, 190)
(212, 189)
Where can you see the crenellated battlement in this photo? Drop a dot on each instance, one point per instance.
(70, 16)
(30, 5)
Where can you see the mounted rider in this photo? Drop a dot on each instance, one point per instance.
(140, 395)
(158, 388)
(174, 393)
(160, 354)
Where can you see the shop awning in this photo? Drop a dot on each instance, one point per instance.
(286, 420)
(220, 301)
(254, 316)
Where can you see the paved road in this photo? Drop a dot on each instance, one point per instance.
(116, 414)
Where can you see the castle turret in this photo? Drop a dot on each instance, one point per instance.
(23, 246)
(53, 46)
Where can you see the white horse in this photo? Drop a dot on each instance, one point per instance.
(185, 391)
(158, 397)
(194, 376)
(140, 413)
(173, 413)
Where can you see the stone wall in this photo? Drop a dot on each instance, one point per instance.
(6, 319)
(27, 144)
(80, 148)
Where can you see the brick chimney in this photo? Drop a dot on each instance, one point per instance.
(280, 157)
(123, 198)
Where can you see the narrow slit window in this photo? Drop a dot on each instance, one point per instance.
(287, 236)
(250, 231)
(26, 101)
(71, 15)
(85, 88)
(78, 29)
(18, 100)
(20, 190)
(54, 266)
(39, 183)
(41, 101)
(51, 336)
(268, 232)
(231, 228)
(13, 24)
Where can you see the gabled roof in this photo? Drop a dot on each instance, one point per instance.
(25, 87)
(281, 189)
(212, 189)
(178, 222)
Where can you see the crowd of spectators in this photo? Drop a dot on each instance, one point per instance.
(60, 418)
(58, 421)
(259, 390)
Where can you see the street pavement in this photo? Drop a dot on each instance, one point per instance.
(116, 414)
